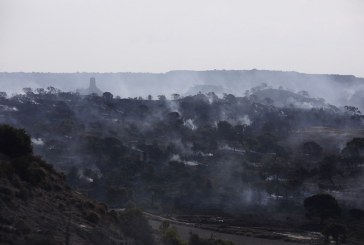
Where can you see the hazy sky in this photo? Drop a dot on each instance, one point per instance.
(314, 36)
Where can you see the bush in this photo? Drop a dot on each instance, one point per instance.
(135, 225)
(336, 231)
(164, 226)
(41, 239)
(93, 217)
(23, 227)
(6, 191)
(32, 169)
(5, 169)
(36, 175)
(101, 208)
(171, 237)
(196, 240)
(357, 214)
(14, 142)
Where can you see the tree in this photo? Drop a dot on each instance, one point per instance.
(357, 214)
(225, 130)
(354, 111)
(176, 96)
(328, 168)
(40, 91)
(150, 97)
(351, 156)
(162, 97)
(53, 90)
(174, 119)
(212, 96)
(312, 149)
(304, 93)
(3, 95)
(27, 91)
(258, 88)
(268, 101)
(323, 206)
(14, 142)
(229, 98)
(107, 96)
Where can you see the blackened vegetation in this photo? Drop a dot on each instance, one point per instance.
(198, 154)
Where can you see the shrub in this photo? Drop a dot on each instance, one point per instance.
(23, 194)
(22, 227)
(171, 237)
(196, 240)
(101, 208)
(336, 231)
(135, 225)
(357, 214)
(14, 142)
(6, 191)
(164, 226)
(5, 169)
(41, 239)
(93, 217)
(36, 175)
(32, 169)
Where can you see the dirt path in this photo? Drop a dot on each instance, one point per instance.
(184, 230)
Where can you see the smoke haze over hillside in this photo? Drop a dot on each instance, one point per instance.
(335, 89)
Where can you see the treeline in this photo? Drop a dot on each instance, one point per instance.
(200, 152)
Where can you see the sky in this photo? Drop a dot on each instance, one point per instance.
(311, 36)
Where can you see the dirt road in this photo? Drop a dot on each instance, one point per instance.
(184, 230)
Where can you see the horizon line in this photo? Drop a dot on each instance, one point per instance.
(182, 70)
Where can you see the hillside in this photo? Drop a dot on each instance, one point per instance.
(284, 98)
(243, 158)
(38, 207)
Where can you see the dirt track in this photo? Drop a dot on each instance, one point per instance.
(184, 230)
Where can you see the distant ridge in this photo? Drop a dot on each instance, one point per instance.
(336, 89)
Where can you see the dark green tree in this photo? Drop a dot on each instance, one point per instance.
(107, 96)
(323, 206)
(14, 142)
(312, 149)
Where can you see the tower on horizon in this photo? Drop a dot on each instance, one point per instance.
(92, 89)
